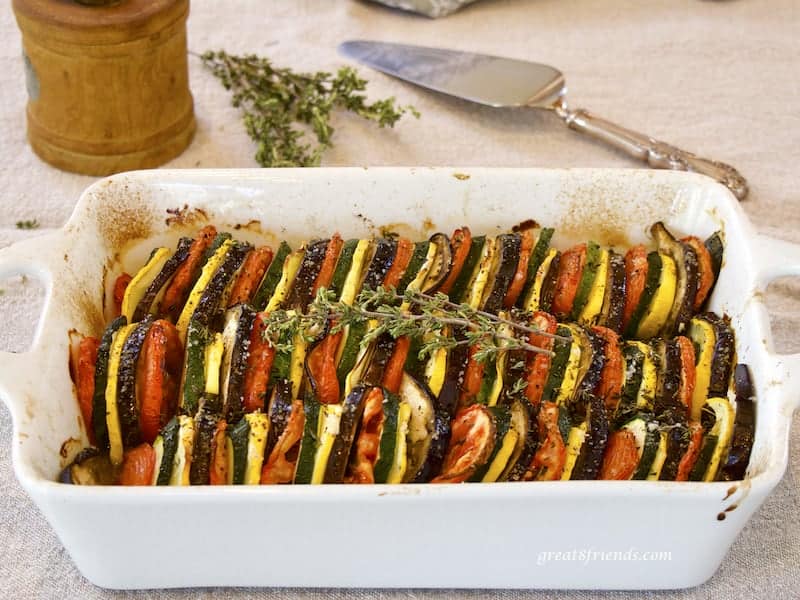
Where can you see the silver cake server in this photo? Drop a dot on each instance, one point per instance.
(506, 82)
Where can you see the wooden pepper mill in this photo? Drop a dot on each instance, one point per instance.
(108, 87)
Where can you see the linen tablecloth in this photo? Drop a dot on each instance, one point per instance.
(717, 78)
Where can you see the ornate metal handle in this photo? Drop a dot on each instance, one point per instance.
(658, 155)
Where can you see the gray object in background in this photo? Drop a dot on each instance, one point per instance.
(510, 83)
(430, 8)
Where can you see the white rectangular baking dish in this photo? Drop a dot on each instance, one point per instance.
(544, 535)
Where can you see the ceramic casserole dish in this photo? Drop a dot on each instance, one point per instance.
(572, 534)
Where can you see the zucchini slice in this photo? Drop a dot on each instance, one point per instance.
(390, 429)
(459, 289)
(269, 282)
(648, 439)
(137, 287)
(663, 298)
(209, 268)
(704, 338)
(533, 300)
(399, 463)
(575, 441)
(592, 311)
(558, 366)
(330, 417)
(308, 443)
(284, 286)
(577, 365)
(716, 248)
(257, 434)
(588, 277)
(540, 251)
(654, 473)
(480, 277)
(237, 443)
(652, 281)
(101, 383)
(151, 298)
(522, 424)
(646, 392)
(352, 283)
(193, 380)
(165, 446)
(182, 460)
(116, 444)
(343, 264)
(716, 441)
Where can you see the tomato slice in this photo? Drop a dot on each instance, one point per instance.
(705, 269)
(473, 377)
(570, 269)
(621, 457)
(322, 369)
(460, 244)
(538, 364)
(472, 440)
(138, 466)
(218, 473)
(692, 452)
(393, 373)
(635, 278)
(84, 380)
(688, 371)
(259, 364)
(328, 267)
(405, 248)
(158, 378)
(120, 285)
(282, 460)
(609, 388)
(178, 289)
(250, 275)
(362, 467)
(521, 274)
(548, 462)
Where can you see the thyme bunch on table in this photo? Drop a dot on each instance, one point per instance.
(438, 322)
(281, 106)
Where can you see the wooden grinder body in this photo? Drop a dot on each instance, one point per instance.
(108, 87)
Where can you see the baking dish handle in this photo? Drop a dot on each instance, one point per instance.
(27, 257)
(778, 258)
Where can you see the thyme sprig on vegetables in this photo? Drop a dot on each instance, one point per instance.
(433, 319)
(280, 105)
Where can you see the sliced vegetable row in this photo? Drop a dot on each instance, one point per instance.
(599, 408)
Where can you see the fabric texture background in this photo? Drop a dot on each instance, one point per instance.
(716, 78)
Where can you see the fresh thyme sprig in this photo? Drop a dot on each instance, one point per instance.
(280, 105)
(435, 320)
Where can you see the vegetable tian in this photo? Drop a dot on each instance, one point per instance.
(454, 359)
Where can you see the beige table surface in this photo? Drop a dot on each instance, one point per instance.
(718, 78)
